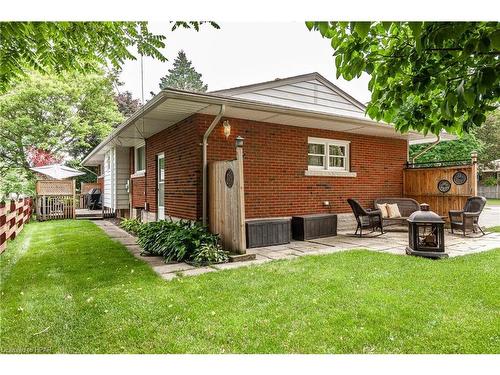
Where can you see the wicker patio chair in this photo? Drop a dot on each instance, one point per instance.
(366, 218)
(467, 219)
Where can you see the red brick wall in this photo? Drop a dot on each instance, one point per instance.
(137, 185)
(274, 165)
(137, 191)
(180, 144)
(275, 158)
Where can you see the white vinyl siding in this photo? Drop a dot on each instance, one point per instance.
(310, 95)
(116, 174)
(122, 174)
(108, 184)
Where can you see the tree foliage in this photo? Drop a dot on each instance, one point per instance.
(183, 76)
(17, 181)
(39, 158)
(459, 149)
(425, 76)
(485, 140)
(64, 115)
(126, 103)
(489, 134)
(83, 47)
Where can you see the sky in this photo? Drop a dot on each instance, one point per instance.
(242, 53)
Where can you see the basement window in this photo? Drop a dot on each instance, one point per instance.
(328, 157)
(140, 159)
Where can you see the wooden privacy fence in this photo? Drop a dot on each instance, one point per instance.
(227, 202)
(13, 215)
(55, 199)
(444, 188)
(491, 192)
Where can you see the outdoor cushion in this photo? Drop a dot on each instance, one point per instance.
(383, 209)
(393, 210)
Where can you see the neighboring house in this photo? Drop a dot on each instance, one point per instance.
(306, 143)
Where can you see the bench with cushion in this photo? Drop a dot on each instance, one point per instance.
(406, 206)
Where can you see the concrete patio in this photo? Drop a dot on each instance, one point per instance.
(393, 242)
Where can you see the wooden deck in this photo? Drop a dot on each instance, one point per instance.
(85, 213)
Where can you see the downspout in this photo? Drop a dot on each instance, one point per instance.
(432, 145)
(205, 162)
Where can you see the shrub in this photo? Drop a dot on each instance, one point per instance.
(132, 225)
(180, 241)
(490, 181)
(209, 253)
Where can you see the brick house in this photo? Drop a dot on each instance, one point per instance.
(308, 146)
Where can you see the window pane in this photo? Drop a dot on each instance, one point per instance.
(337, 150)
(336, 162)
(140, 162)
(316, 161)
(314, 148)
(161, 169)
(161, 194)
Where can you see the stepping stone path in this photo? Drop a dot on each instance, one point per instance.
(391, 242)
(167, 271)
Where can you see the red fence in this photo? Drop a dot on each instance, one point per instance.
(13, 215)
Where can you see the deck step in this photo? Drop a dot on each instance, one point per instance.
(86, 217)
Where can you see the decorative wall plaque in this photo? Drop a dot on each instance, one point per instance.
(229, 178)
(459, 178)
(444, 186)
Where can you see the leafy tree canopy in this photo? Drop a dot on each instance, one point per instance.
(75, 46)
(489, 134)
(64, 115)
(459, 149)
(485, 140)
(183, 76)
(425, 76)
(126, 103)
(17, 181)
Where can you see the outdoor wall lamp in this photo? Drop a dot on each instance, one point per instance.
(227, 129)
(239, 141)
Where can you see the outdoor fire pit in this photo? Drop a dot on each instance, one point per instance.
(426, 234)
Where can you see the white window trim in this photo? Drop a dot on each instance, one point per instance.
(139, 172)
(330, 173)
(326, 170)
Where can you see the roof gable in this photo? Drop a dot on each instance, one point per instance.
(309, 91)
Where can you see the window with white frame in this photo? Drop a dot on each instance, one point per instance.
(328, 154)
(140, 158)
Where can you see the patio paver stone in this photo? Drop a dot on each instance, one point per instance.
(392, 242)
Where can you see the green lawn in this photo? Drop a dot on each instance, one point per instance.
(494, 229)
(493, 202)
(67, 288)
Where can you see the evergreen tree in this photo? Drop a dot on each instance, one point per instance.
(183, 76)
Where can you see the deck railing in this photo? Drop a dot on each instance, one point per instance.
(13, 215)
(55, 207)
